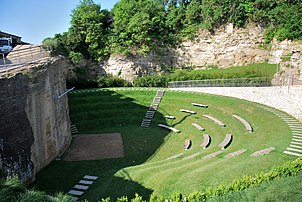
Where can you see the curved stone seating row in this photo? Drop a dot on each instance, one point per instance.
(215, 120)
(263, 151)
(187, 111)
(230, 155)
(206, 141)
(187, 144)
(198, 126)
(248, 127)
(226, 142)
(199, 105)
(168, 127)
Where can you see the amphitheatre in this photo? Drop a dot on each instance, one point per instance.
(160, 101)
(158, 141)
(159, 153)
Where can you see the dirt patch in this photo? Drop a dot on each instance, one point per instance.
(95, 147)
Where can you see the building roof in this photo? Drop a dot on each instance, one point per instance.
(9, 35)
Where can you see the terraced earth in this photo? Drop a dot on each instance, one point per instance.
(145, 168)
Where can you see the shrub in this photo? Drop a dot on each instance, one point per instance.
(111, 81)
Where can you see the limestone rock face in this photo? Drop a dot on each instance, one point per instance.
(130, 68)
(224, 48)
(35, 126)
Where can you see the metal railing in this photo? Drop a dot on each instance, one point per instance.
(288, 80)
(25, 55)
(21, 58)
(233, 82)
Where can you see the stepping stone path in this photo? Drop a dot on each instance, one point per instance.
(236, 153)
(80, 188)
(212, 155)
(295, 147)
(263, 152)
(146, 122)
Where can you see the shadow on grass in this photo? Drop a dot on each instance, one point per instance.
(105, 112)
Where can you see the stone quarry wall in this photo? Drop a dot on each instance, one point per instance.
(287, 99)
(34, 127)
(226, 47)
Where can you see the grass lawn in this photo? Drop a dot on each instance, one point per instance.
(284, 189)
(144, 169)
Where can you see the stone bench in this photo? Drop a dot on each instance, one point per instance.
(248, 127)
(170, 117)
(215, 120)
(187, 111)
(206, 141)
(168, 127)
(227, 140)
(199, 105)
(198, 126)
(187, 144)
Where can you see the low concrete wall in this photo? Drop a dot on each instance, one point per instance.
(286, 99)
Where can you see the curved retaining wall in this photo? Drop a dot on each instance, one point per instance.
(283, 98)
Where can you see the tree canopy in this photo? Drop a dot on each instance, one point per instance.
(141, 26)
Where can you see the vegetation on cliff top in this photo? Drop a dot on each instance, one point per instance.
(140, 26)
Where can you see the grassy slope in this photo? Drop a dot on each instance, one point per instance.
(284, 189)
(144, 170)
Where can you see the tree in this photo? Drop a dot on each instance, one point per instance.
(89, 30)
(138, 25)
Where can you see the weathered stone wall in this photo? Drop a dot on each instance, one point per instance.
(226, 47)
(34, 127)
(285, 98)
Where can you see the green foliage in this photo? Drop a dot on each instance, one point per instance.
(137, 26)
(12, 190)
(142, 26)
(75, 57)
(111, 81)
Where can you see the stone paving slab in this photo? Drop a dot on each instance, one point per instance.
(85, 182)
(73, 198)
(81, 187)
(76, 192)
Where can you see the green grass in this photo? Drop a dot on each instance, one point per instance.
(144, 169)
(249, 71)
(282, 189)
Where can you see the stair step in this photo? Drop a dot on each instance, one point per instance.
(298, 140)
(298, 143)
(295, 146)
(292, 153)
(293, 149)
